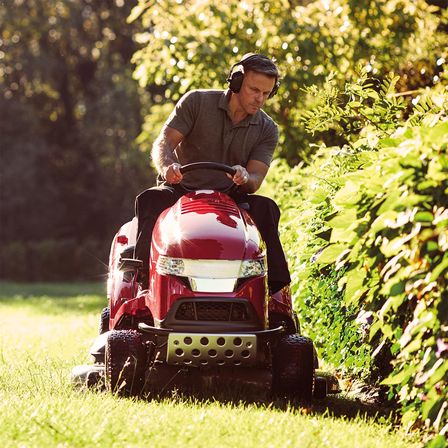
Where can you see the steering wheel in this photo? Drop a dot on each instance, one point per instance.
(209, 166)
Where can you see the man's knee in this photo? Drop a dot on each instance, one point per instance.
(154, 200)
(261, 206)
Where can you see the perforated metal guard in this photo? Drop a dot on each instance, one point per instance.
(194, 349)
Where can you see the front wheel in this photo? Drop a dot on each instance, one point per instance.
(104, 321)
(125, 363)
(293, 366)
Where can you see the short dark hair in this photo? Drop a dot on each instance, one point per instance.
(261, 64)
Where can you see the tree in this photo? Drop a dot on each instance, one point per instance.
(70, 115)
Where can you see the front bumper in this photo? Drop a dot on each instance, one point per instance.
(211, 349)
(214, 349)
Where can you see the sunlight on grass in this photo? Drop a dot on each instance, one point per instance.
(40, 408)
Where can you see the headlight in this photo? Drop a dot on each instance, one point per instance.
(210, 268)
(170, 266)
(251, 268)
(210, 275)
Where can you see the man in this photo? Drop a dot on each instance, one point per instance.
(226, 127)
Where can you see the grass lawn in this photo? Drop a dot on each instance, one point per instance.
(46, 329)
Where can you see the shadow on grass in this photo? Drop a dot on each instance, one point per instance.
(338, 406)
(54, 298)
(191, 390)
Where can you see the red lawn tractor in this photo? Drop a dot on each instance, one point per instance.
(207, 312)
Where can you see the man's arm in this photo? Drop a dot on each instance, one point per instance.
(163, 154)
(251, 177)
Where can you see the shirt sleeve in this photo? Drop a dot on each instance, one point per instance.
(183, 117)
(264, 149)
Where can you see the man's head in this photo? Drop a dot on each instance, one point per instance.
(256, 63)
(253, 80)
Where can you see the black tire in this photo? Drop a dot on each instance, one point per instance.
(315, 358)
(104, 320)
(320, 388)
(293, 367)
(125, 363)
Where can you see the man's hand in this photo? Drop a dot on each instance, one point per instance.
(172, 173)
(163, 157)
(241, 176)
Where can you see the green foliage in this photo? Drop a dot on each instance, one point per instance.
(192, 44)
(303, 194)
(361, 104)
(391, 234)
(69, 114)
(367, 227)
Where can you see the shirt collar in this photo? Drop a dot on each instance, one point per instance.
(224, 105)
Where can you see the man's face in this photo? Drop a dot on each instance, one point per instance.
(254, 91)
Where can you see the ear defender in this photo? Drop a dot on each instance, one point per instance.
(236, 75)
(274, 89)
(235, 78)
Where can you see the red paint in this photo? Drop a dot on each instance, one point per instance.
(122, 239)
(201, 225)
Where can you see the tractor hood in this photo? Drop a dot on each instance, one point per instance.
(207, 225)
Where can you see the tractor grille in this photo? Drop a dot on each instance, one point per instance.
(212, 311)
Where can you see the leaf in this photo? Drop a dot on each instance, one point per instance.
(344, 219)
(437, 271)
(438, 441)
(353, 288)
(398, 289)
(348, 195)
(136, 12)
(382, 221)
(387, 331)
(424, 217)
(374, 329)
(392, 302)
(319, 196)
(437, 134)
(331, 253)
(439, 374)
(434, 374)
(413, 346)
(422, 186)
(409, 418)
(399, 378)
(343, 236)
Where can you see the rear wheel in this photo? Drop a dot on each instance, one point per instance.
(293, 366)
(104, 320)
(125, 362)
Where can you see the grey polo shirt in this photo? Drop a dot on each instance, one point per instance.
(210, 136)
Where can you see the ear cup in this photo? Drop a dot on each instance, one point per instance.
(236, 80)
(274, 89)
